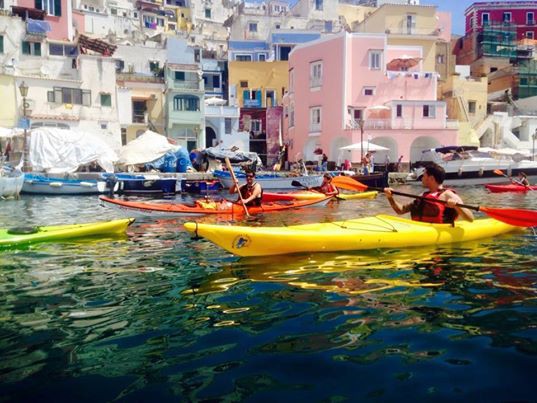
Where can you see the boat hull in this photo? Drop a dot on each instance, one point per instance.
(64, 232)
(178, 209)
(510, 188)
(381, 231)
(311, 195)
(11, 186)
(34, 184)
(272, 181)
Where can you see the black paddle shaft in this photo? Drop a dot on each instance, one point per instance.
(395, 192)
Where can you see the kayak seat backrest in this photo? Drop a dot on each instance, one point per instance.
(22, 230)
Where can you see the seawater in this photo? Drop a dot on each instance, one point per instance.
(157, 316)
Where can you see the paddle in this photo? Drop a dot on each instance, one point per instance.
(299, 185)
(236, 182)
(500, 172)
(516, 217)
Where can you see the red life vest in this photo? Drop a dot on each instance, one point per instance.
(246, 191)
(438, 213)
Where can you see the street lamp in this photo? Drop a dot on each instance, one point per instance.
(23, 88)
(361, 123)
(533, 146)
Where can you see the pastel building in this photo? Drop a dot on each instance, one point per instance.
(341, 92)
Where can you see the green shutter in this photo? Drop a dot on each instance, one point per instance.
(57, 8)
(1, 44)
(39, 4)
(37, 49)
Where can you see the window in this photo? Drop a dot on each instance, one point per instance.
(316, 74)
(106, 99)
(429, 111)
(123, 136)
(113, 11)
(375, 59)
(530, 35)
(530, 18)
(244, 84)
(523, 81)
(120, 65)
(171, 27)
(104, 125)
(207, 13)
(410, 23)
(180, 76)
(485, 19)
(227, 125)
(154, 65)
(252, 27)
(440, 59)
(369, 91)
(1, 44)
(211, 81)
(328, 26)
(256, 126)
(31, 48)
(262, 57)
(59, 49)
(291, 115)
(315, 119)
(64, 95)
(471, 107)
(243, 58)
(318, 5)
(399, 111)
(52, 7)
(188, 103)
(506, 16)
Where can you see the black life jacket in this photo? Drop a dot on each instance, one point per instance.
(246, 191)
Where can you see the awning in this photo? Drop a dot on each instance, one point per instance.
(96, 45)
(24, 12)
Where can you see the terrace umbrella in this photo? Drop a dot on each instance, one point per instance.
(403, 63)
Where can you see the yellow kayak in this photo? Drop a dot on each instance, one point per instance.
(359, 195)
(382, 231)
(26, 235)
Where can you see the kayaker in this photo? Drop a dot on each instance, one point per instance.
(327, 187)
(251, 191)
(425, 211)
(522, 179)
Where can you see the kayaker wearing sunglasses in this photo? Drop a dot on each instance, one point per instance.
(251, 191)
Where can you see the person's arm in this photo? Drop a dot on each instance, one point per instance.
(396, 206)
(233, 189)
(452, 199)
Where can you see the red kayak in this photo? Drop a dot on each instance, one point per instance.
(512, 187)
(203, 207)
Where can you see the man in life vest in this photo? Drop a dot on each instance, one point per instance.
(431, 211)
(251, 192)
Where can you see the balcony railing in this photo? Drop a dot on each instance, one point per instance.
(139, 117)
(186, 84)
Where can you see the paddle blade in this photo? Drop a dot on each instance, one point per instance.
(512, 216)
(297, 184)
(499, 172)
(346, 182)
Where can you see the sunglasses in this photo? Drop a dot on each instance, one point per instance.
(249, 176)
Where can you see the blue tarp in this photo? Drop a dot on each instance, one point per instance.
(37, 27)
(177, 161)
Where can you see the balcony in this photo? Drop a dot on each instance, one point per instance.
(186, 84)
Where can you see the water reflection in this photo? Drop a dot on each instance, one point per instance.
(159, 316)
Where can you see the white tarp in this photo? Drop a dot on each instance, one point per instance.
(9, 133)
(149, 147)
(55, 150)
(366, 146)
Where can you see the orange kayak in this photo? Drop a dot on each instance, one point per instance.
(204, 207)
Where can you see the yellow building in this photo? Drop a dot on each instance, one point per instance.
(258, 84)
(8, 111)
(353, 14)
(406, 25)
(466, 100)
(178, 18)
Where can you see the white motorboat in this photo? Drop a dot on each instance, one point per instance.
(470, 165)
(11, 181)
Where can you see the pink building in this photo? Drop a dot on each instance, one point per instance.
(342, 82)
(63, 21)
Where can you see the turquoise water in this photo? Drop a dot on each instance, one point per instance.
(157, 316)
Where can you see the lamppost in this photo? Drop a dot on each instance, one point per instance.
(361, 123)
(23, 88)
(533, 137)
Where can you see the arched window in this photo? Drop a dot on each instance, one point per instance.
(186, 103)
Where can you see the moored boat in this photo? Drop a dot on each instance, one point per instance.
(39, 184)
(511, 187)
(10, 237)
(382, 231)
(11, 181)
(271, 180)
(204, 207)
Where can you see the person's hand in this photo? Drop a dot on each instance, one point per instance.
(451, 203)
(388, 193)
